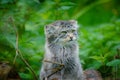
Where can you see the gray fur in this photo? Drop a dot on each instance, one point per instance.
(62, 47)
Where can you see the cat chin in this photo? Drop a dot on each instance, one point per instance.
(70, 42)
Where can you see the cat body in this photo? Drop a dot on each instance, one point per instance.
(62, 55)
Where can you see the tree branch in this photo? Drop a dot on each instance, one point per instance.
(55, 70)
(53, 62)
(18, 53)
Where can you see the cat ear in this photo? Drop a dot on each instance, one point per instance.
(73, 21)
(49, 29)
(46, 28)
(57, 23)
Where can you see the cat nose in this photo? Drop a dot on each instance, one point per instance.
(71, 38)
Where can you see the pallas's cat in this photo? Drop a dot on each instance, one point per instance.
(61, 59)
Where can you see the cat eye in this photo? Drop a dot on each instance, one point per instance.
(64, 32)
(73, 30)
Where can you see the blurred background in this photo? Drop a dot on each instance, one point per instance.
(99, 33)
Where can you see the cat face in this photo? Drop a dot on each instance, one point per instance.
(62, 32)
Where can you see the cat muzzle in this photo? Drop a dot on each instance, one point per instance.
(71, 38)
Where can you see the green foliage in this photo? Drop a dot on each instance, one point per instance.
(99, 22)
(99, 46)
(114, 62)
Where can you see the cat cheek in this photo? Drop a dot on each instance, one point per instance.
(74, 38)
(66, 39)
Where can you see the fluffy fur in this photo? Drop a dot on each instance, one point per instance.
(62, 47)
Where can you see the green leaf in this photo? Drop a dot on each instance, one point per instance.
(65, 7)
(114, 62)
(99, 58)
(25, 76)
(94, 65)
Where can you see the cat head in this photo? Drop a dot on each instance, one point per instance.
(61, 32)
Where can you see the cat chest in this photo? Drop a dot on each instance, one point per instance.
(65, 56)
(69, 64)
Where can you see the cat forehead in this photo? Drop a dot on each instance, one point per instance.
(63, 24)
